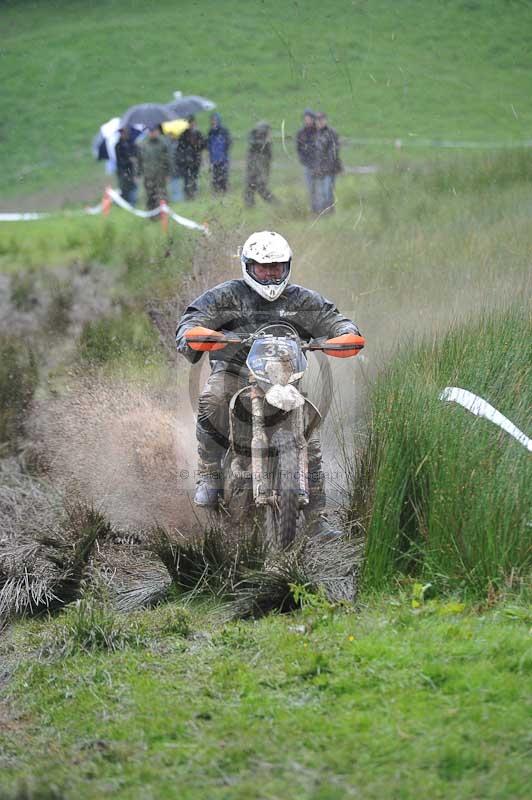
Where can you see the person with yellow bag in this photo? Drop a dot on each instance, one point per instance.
(173, 129)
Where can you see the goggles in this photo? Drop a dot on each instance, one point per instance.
(251, 266)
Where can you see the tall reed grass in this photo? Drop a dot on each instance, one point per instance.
(445, 495)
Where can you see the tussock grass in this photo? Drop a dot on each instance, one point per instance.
(238, 569)
(45, 547)
(18, 381)
(443, 494)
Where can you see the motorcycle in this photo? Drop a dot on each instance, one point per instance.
(265, 468)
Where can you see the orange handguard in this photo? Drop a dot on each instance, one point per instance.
(345, 346)
(204, 339)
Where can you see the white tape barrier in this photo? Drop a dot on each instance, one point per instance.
(117, 200)
(187, 223)
(14, 217)
(476, 405)
(411, 140)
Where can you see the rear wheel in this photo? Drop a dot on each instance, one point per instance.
(282, 515)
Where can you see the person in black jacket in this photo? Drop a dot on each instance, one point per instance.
(263, 295)
(327, 164)
(126, 166)
(190, 145)
(306, 152)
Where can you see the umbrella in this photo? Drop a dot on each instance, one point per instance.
(146, 114)
(175, 128)
(190, 104)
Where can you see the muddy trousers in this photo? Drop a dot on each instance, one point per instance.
(212, 433)
(258, 184)
(155, 193)
(220, 176)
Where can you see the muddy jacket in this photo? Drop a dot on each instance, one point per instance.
(188, 152)
(259, 155)
(234, 307)
(154, 160)
(306, 146)
(327, 153)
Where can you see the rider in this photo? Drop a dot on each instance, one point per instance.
(263, 296)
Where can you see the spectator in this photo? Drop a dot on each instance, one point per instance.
(188, 157)
(306, 151)
(154, 165)
(219, 143)
(126, 156)
(176, 176)
(327, 164)
(258, 164)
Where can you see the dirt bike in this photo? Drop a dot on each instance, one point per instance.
(265, 468)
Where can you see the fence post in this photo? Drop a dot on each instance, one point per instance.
(163, 215)
(106, 202)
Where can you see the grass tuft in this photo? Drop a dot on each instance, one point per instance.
(89, 625)
(238, 569)
(18, 381)
(45, 548)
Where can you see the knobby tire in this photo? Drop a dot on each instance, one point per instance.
(281, 519)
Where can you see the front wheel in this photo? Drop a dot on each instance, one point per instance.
(283, 511)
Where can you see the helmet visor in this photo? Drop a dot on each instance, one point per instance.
(268, 274)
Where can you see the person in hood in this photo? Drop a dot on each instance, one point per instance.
(188, 152)
(306, 152)
(154, 165)
(263, 295)
(218, 145)
(258, 164)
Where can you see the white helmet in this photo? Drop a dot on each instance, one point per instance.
(266, 247)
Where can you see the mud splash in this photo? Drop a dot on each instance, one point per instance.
(128, 449)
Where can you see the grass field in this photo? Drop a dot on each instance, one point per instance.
(392, 701)
(419, 688)
(412, 70)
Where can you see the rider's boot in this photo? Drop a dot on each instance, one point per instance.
(319, 525)
(318, 522)
(209, 485)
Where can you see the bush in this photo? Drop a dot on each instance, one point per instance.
(444, 495)
(18, 381)
(101, 243)
(61, 300)
(24, 295)
(127, 335)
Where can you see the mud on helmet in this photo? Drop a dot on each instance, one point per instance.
(266, 247)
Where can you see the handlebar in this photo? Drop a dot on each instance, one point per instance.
(348, 344)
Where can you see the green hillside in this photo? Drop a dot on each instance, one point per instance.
(132, 688)
(415, 69)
